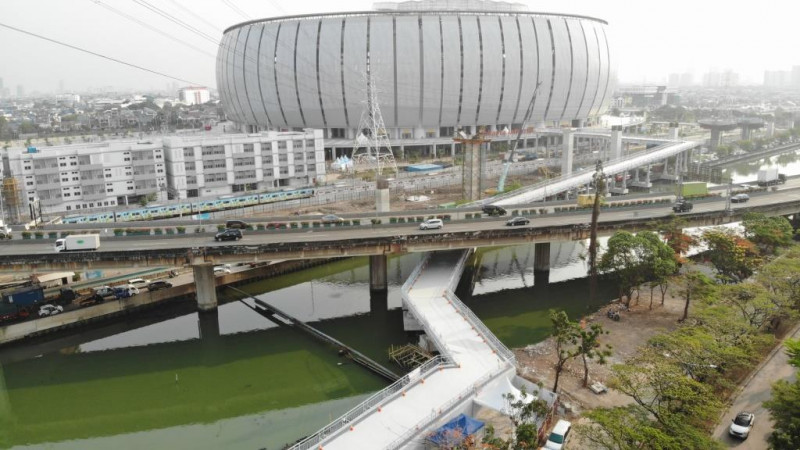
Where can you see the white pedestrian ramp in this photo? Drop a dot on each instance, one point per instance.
(471, 360)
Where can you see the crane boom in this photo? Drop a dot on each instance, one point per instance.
(510, 155)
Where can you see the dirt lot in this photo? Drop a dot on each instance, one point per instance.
(634, 328)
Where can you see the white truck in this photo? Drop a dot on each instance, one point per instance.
(5, 230)
(770, 177)
(78, 243)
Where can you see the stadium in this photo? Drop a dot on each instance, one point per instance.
(437, 65)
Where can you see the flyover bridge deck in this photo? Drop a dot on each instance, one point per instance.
(472, 356)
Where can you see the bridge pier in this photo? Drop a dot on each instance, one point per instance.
(382, 201)
(378, 278)
(795, 221)
(206, 286)
(567, 148)
(541, 263)
(208, 324)
(616, 142)
(716, 139)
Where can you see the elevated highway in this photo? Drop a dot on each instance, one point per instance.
(363, 240)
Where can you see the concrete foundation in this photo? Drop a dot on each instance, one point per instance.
(206, 286)
(567, 148)
(382, 198)
(378, 277)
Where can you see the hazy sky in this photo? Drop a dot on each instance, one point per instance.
(650, 38)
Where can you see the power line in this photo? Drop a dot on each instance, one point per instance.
(150, 27)
(177, 21)
(236, 9)
(216, 29)
(98, 54)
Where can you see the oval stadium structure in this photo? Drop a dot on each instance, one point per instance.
(436, 64)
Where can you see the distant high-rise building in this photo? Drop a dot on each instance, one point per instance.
(193, 95)
(777, 78)
(60, 86)
(674, 80)
(20, 91)
(796, 76)
(687, 79)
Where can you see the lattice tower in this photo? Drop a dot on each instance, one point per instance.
(372, 150)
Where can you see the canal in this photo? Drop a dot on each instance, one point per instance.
(168, 378)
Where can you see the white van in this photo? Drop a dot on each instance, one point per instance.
(431, 224)
(558, 437)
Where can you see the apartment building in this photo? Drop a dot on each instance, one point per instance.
(79, 177)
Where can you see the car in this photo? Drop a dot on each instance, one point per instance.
(228, 235)
(558, 437)
(221, 270)
(104, 291)
(431, 224)
(682, 206)
(158, 284)
(236, 224)
(50, 310)
(138, 282)
(742, 424)
(126, 290)
(493, 210)
(740, 198)
(331, 218)
(517, 221)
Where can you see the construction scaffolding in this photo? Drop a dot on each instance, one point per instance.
(11, 201)
(409, 356)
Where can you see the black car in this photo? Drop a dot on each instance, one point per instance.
(235, 224)
(517, 221)
(159, 284)
(682, 206)
(493, 210)
(228, 235)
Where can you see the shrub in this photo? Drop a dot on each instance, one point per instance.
(158, 231)
(26, 235)
(375, 221)
(118, 231)
(52, 234)
(170, 230)
(220, 227)
(260, 227)
(181, 230)
(199, 229)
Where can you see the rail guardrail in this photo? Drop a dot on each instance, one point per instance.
(491, 339)
(373, 401)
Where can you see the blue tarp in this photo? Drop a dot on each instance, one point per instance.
(455, 431)
(423, 167)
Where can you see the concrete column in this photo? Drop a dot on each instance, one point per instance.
(770, 129)
(382, 197)
(378, 278)
(208, 323)
(715, 139)
(378, 303)
(616, 142)
(746, 133)
(566, 152)
(206, 286)
(541, 263)
(674, 130)
(433, 150)
(453, 150)
(402, 152)
(647, 175)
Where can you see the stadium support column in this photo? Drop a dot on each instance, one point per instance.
(473, 149)
(567, 148)
(616, 142)
(541, 263)
(382, 199)
(205, 285)
(378, 278)
(674, 129)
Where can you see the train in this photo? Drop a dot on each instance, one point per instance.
(189, 208)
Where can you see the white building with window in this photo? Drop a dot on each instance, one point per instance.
(96, 176)
(194, 95)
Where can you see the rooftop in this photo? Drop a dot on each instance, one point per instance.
(450, 5)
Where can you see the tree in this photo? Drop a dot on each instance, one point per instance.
(784, 405)
(783, 276)
(623, 260)
(599, 186)
(751, 301)
(733, 257)
(677, 240)
(626, 428)
(768, 233)
(661, 263)
(692, 284)
(566, 334)
(589, 348)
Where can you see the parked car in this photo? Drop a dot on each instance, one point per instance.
(125, 291)
(742, 424)
(138, 282)
(740, 198)
(331, 218)
(682, 206)
(104, 291)
(50, 310)
(235, 224)
(158, 284)
(558, 437)
(431, 224)
(517, 221)
(228, 235)
(493, 210)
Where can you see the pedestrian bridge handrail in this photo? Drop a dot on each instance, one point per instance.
(434, 415)
(491, 339)
(350, 417)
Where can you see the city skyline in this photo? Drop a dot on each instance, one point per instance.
(649, 44)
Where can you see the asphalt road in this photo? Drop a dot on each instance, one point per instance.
(750, 399)
(343, 233)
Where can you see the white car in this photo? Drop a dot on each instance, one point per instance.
(742, 424)
(50, 310)
(139, 282)
(221, 270)
(558, 437)
(431, 224)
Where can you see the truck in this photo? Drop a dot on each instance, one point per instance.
(692, 189)
(682, 206)
(5, 230)
(587, 200)
(78, 243)
(770, 177)
(20, 303)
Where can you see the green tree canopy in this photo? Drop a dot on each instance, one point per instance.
(784, 405)
(768, 233)
(733, 257)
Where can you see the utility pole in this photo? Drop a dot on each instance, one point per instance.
(599, 186)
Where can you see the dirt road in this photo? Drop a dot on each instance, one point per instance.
(755, 392)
